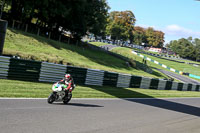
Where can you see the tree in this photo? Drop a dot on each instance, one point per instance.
(2, 3)
(120, 25)
(197, 49)
(100, 13)
(154, 38)
(76, 16)
(186, 48)
(138, 35)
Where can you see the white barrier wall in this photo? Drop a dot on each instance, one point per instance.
(4, 66)
(123, 80)
(145, 83)
(52, 72)
(94, 77)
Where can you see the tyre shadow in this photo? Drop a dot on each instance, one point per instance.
(78, 104)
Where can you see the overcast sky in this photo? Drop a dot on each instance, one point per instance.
(176, 18)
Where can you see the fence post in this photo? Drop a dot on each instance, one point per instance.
(77, 43)
(49, 35)
(18, 26)
(13, 24)
(3, 27)
(26, 28)
(69, 40)
(38, 33)
(59, 38)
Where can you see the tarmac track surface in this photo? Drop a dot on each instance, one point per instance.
(180, 77)
(100, 116)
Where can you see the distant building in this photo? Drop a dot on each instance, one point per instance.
(152, 49)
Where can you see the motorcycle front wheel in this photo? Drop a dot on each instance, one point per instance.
(51, 98)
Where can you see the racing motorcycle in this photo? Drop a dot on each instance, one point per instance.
(59, 94)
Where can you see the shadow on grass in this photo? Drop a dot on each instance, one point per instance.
(159, 103)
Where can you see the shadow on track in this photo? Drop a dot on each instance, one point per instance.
(169, 105)
(79, 105)
(159, 103)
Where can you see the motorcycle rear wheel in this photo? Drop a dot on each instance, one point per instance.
(68, 98)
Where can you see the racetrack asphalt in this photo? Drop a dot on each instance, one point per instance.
(180, 77)
(181, 115)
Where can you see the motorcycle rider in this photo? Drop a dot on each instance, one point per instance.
(69, 82)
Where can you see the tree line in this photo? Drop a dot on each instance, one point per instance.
(76, 16)
(81, 17)
(186, 48)
(121, 26)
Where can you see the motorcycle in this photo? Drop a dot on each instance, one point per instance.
(59, 94)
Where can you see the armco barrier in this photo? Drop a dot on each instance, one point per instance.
(94, 77)
(110, 79)
(78, 74)
(123, 80)
(4, 66)
(11, 68)
(51, 72)
(145, 83)
(24, 69)
(135, 82)
(194, 76)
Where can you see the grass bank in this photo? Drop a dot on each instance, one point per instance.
(15, 88)
(178, 66)
(29, 46)
(99, 43)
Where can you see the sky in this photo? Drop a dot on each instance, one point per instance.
(176, 18)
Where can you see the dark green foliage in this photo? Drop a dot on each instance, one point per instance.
(76, 16)
(186, 48)
(120, 25)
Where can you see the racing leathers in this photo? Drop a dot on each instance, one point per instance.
(69, 83)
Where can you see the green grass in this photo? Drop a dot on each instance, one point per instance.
(29, 46)
(186, 61)
(15, 88)
(127, 52)
(99, 43)
(178, 66)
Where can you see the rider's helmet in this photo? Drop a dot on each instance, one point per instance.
(67, 76)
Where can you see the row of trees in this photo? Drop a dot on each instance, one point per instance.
(187, 48)
(81, 17)
(76, 16)
(121, 27)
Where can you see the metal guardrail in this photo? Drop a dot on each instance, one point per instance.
(94, 77)
(11, 68)
(50, 72)
(4, 66)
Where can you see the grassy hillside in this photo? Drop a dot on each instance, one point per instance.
(29, 46)
(127, 52)
(99, 43)
(177, 59)
(178, 66)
